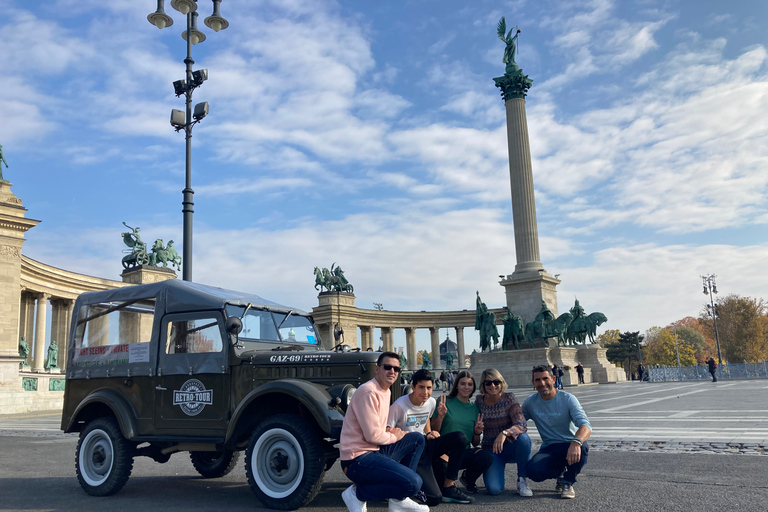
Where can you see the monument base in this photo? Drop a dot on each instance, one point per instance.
(526, 290)
(516, 365)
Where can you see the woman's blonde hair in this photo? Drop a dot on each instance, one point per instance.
(492, 374)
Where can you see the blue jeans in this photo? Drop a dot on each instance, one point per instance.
(389, 472)
(550, 461)
(519, 452)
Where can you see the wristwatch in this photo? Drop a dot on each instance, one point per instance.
(506, 433)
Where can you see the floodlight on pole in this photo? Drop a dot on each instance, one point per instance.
(187, 119)
(710, 288)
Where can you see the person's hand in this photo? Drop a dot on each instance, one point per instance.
(479, 425)
(498, 443)
(441, 408)
(433, 434)
(574, 454)
(395, 430)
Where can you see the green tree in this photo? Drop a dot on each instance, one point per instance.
(696, 340)
(662, 350)
(625, 350)
(741, 324)
(609, 336)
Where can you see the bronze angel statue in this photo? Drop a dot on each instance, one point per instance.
(510, 41)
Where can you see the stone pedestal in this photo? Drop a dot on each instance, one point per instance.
(516, 365)
(144, 274)
(525, 291)
(13, 225)
(602, 370)
(333, 308)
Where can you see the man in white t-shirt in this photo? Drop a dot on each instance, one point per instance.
(411, 413)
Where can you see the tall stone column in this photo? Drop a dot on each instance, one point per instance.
(366, 337)
(388, 342)
(39, 346)
(13, 225)
(59, 332)
(530, 283)
(460, 347)
(434, 338)
(410, 347)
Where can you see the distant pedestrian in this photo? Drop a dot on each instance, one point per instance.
(558, 374)
(712, 368)
(580, 372)
(640, 372)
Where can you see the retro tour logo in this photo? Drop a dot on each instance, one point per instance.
(192, 397)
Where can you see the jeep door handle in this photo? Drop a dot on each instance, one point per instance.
(161, 388)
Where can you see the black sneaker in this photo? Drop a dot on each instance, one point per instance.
(559, 485)
(471, 488)
(453, 494)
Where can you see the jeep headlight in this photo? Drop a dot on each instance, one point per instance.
(346, 395)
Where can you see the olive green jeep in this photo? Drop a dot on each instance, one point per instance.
(180, 367)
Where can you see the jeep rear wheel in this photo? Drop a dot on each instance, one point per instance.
(284, 462)
(214, 464)
(103, 458)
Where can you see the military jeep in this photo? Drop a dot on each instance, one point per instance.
(181, 367)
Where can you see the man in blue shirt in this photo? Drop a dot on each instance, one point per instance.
(564, 430)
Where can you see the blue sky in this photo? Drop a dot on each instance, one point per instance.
(370, 134)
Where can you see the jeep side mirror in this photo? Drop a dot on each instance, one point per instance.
(233, 325)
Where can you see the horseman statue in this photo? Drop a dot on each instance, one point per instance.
(332, 280)
(485, 322)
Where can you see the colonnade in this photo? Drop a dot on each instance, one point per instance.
(33, 312)
(387, 343)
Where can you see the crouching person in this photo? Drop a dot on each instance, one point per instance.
(412, 413)
(380, 461)
(564, 430)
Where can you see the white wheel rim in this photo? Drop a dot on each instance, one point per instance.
(277, 463)
(97, 456)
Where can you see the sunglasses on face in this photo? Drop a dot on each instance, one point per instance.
(494, 382)
(389, 367)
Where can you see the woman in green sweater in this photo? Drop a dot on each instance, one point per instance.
(458, 414)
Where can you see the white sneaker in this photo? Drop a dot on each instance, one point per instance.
(523, 489)
(350, 499)
(406, 505)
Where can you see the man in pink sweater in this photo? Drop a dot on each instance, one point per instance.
(380, 461)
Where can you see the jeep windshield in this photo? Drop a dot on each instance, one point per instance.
(277, 328)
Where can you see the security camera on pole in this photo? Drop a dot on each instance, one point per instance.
(186, 120)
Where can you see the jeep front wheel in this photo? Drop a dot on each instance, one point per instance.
(103, 458)
(284, 462)
(214, 464)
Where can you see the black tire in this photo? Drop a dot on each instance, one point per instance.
(214, 464)
(103, 458)
(285, 462)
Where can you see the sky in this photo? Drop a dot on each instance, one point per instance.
(370, 135)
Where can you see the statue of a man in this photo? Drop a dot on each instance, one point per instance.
(511, 42)
(426, 361)
(53, 354)
(449, 360)
(23, 351)
(403, 361)
(2, 161)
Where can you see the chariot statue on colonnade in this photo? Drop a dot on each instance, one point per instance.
(332, 280)
(138, 255)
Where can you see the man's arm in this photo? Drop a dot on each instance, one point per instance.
(372, 425)
(579, 418)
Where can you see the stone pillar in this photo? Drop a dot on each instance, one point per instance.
(59, 324)
(460, 347)
(13, 225)
(27, 316)
(529, 284)
(337, 308)
(388, 342)
(521, 183)
(434, 337)
(366, 337)
(65, 348)
(39, 346)
(410, 347)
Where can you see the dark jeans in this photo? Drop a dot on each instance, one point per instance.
(452, 445)
(389, 472)
(714, 379)
(581, 378)
(475, 462)
(550, 461)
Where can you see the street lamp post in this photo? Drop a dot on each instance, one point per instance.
(710, 288)
(187, 119)
(677, 350)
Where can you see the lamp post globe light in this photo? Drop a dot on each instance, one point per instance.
(187, 119)
(710, 288)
